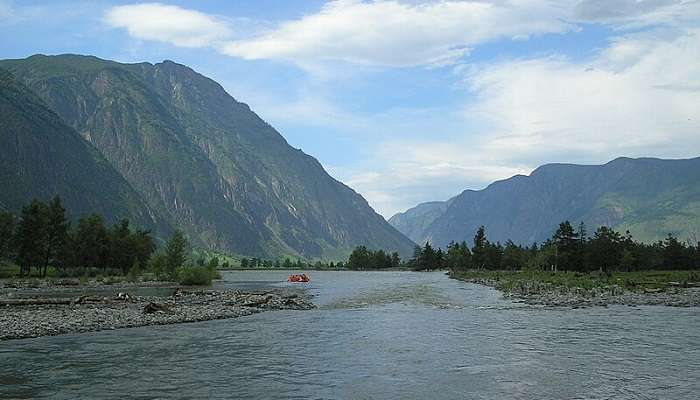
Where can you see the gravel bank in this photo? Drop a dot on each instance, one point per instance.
(86, 314)
(536, 293)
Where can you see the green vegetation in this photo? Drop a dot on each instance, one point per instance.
(288, 263)
(638, 281)
(194, 275)
(568, 249)
(43, 243)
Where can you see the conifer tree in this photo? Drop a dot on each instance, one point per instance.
(32, 236)
(176, 252)
(7, 231)
(57, 234)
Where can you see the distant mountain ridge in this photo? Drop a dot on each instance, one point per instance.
(649, 197)
(204, 161)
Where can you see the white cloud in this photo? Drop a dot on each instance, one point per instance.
(393, 33)
(636, 13)
(415, 171)
(390, 33)
(637, 97)
(171, 24)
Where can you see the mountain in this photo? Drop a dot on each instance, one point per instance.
(204, 161)
(40, 157)
(647, 196)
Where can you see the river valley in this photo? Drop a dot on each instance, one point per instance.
(374, 335)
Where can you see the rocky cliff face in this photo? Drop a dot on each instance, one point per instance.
(205, 161)
(40, 157)
(649, 197)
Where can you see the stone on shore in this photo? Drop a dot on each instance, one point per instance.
(42, 317)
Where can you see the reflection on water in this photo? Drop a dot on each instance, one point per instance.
(375, 335)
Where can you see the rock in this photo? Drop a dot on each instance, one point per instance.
(256, 300)
(152, 308)
(37, 317)
(124, 296)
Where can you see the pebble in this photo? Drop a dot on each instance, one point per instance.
(17, 322)
(536, 293)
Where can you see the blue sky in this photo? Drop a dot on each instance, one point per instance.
(411, 101)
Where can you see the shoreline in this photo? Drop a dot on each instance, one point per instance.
(538, 293)
(28, 317)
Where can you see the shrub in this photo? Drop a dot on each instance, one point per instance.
(8, 271)
(157, 265)
(194, 276)
(134, 272)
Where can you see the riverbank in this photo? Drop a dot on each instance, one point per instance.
(577, 290)
(25, 317)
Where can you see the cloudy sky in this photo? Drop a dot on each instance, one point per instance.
(409, 100)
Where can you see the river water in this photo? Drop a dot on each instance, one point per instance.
(375, 335)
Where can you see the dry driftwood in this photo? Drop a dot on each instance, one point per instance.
(152, 308)
(49, 301)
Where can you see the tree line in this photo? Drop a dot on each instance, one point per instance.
(288, 263)
(43, 237)
(569, 249)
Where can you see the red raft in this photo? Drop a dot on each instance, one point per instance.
(298, 278)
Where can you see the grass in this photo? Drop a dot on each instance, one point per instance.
(637, 281)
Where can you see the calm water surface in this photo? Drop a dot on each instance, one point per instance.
(375, 335)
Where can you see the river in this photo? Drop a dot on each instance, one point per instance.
(398, 335)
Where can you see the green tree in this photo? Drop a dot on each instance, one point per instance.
(479, 251)
(57, 234)
(176, 253)
(627, 260)
(360, 258)
(32, 236)
(567, 247)
(92, 242)
(674, 254)
(458, 256)
(395, 260)
(122, 246)
(144, 246)
(494, 255)
(605, 249)
(7, 232)
(429, 258)
(514, 256)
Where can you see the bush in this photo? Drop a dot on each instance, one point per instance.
(8, 271)
(157, 265)
(194, 276)
(52, 272)
(134, 272)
